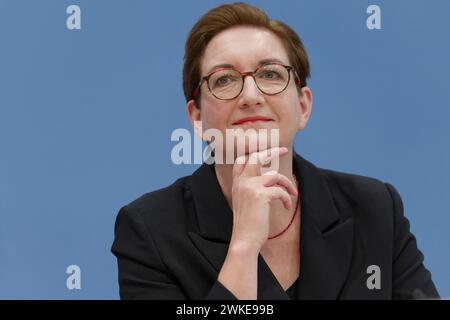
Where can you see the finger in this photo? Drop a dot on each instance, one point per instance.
(267, 155)
(257, 159)
(278, 193)
(274, 178)
(239, 165)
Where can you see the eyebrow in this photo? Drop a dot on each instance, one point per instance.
(260, 63)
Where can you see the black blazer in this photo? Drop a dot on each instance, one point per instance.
(172, 242)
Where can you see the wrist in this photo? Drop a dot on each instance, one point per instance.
(244, 248)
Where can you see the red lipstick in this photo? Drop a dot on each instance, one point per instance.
(251, 119)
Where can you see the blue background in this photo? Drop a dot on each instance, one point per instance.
(86, 117)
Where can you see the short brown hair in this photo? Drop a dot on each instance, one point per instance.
(231, 15)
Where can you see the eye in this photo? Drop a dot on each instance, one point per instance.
(222, 81)
(270, 75)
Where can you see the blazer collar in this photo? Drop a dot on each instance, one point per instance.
(326, 238)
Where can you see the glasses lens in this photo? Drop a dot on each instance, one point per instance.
(225, 84)
(272, 78)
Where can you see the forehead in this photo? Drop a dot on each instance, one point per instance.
(243, 47)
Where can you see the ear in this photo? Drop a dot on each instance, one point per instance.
(195, 118)
(306, 100)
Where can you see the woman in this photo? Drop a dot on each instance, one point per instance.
(230, 231)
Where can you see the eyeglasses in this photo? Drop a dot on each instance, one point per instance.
(228, 83)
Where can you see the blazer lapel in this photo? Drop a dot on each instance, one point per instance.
(326, 239)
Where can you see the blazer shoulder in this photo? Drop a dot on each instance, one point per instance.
(160, 200)
(354, 183)
(368, 194)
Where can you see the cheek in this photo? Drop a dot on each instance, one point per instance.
(215, 116)
(289, 110)
(289, 115)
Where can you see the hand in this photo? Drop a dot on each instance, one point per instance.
(252, 194)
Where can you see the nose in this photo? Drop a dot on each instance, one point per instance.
(251, 95)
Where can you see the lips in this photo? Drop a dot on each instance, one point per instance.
(252, 119)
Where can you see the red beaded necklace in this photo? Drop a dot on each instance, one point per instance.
(293, 216)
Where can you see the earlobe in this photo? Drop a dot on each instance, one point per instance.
(194, 115)
(306, 106)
